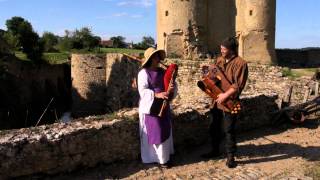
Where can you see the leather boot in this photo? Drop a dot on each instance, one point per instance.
(231, 163)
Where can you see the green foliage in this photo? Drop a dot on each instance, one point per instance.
(79, 39)
(27, 38)
(145, 43)
(121, 50)
(12, 41)
(118, 42)
(49, 41)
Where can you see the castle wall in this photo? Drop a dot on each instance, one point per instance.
(255, 28)
(182, 24)
(298, 58)
(221, 22)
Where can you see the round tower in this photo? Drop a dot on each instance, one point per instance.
(255, 28)
(181, 27)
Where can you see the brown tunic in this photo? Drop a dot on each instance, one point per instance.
(236, 71)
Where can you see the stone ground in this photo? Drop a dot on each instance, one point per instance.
(285, 152)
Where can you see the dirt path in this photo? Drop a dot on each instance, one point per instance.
(286, 152)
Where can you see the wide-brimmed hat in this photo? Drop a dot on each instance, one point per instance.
(150, 52)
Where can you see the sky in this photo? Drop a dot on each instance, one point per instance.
(297, 22)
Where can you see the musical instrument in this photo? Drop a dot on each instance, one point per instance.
(169, 77)
(213, 83)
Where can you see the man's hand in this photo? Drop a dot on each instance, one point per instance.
(222, 98)
(162, 95)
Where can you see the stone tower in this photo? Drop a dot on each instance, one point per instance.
(192, 29)
(255, 29)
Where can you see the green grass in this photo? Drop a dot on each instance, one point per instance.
(121, 50)
(295, 73)
(56, 58)
(62, 57)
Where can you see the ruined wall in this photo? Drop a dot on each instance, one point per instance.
(255, 28)
(102, 84)
(88, 74)
(298, 58)
(26, 89)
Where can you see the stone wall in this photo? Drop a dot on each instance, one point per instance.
(88, 74)
(86, 142)
(121, 74)
(298, 58)
(26, 89)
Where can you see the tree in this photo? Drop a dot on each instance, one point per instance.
(49, 41)
(79, 39)
(27, 38)
(118, 42)
(147, 41)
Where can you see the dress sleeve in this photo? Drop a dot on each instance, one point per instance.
(146, 94)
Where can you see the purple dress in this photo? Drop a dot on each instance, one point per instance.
(158, 128)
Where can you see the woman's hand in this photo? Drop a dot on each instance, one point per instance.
(162, 95)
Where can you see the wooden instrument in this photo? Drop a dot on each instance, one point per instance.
(213, 83)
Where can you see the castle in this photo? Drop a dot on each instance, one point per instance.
(192, 29)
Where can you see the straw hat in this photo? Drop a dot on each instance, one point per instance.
(151, 51)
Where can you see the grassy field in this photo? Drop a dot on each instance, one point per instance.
(62, 57)
(295, 73)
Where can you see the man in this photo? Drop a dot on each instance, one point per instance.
(236, 71)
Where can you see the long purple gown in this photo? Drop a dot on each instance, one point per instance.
(158, 129)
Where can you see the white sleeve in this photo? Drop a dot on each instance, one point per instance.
(146, 94)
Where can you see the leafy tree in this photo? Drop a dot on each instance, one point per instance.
(79, 39)
(118, 42)
(27, 38)
(147, 41)
(50, 41)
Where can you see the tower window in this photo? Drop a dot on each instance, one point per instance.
(167, 13)
(250, 12)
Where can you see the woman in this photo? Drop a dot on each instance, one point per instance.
(155, 132)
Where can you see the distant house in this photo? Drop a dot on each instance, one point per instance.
(106, 43)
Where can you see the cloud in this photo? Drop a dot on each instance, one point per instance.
(119, 14)
(142, 3)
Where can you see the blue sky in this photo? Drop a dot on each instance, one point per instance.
(297, 25)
